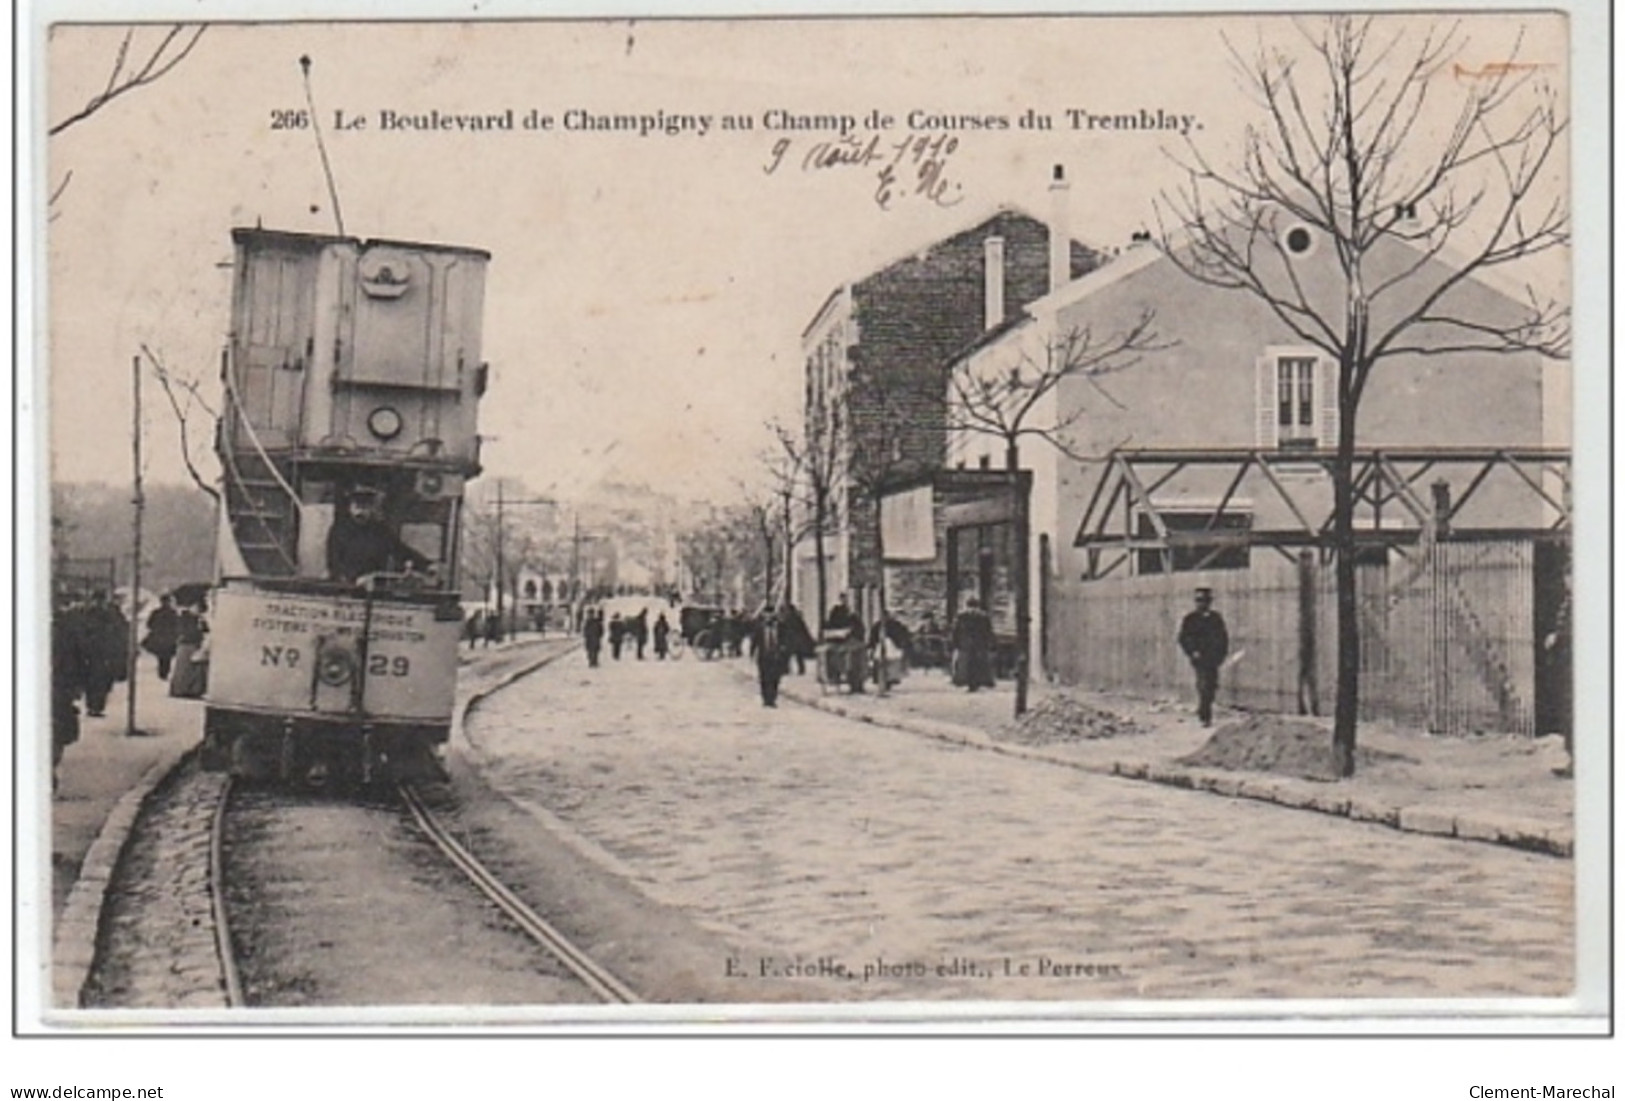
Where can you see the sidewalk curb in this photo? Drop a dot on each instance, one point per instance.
(73, 947)
(1525, 836)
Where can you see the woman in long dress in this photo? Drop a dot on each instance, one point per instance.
(190, 675)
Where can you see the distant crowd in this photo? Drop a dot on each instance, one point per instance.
(847, 652)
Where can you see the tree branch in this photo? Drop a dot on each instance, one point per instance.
(157, 64)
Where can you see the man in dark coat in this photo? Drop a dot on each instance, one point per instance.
(973, 647)
(844, 634)
(662, 636)
(797, 636)
(108, 637)
(1206, 643)
(617, 635)
(772, 657)
(361, 542)
(163, 634)
(638, 628)
(592, 636)
(70, 665)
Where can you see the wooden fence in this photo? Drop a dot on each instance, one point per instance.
(1446, 639)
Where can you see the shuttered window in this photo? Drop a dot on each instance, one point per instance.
(1296, 400)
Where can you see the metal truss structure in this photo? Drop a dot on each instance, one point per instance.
(1125, 517)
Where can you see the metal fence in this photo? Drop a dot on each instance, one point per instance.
(1447, 638)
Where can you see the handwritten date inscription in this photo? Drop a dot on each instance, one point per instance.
(915, 166)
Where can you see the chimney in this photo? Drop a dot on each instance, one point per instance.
(1060, 230)
(992, 282)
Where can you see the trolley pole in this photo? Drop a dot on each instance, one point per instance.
(138, 500)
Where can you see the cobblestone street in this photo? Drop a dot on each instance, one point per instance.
(928, 871)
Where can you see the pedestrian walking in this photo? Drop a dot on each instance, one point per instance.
(617, 635)
(797, 636)
(639, 630)
(845, 645)
(493, 628)
(662, 636)
(772, 659)
(70, 664)
(108, 635)
(1206, 642)
(189, 678)
(592, 636)
(972, 661)
(163, 634)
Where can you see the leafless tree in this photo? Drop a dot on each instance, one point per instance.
(133, 66)
(1348, 144)
(187, 402)
(818, 456)
(1008, 402)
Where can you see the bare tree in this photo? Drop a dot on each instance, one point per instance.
(760, 512)
(818, 456)
(133, 66)
(1008, 403)
(187, 403)
(1348, 146)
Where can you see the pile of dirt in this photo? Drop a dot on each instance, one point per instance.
(1063, 718)
(1277, 744)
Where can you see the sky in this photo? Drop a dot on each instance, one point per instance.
(647, 292)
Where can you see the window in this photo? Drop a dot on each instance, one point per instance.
(1297, 400)
(1225, 548)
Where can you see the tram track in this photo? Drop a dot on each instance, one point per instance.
(592, 974)
(235, 895)
(270, 819)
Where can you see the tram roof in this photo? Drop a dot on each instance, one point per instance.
(289, 238)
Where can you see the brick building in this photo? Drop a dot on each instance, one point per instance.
(876, 354)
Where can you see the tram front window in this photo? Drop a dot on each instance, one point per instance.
(362, 542)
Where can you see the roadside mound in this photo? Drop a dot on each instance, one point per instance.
(1278, 744)
(1063, 718)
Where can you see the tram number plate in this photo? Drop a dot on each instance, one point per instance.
(378, 665)
(383, 665)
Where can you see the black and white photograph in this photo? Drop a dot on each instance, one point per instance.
(1060, 521)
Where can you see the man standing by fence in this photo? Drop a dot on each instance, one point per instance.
(1203, 637)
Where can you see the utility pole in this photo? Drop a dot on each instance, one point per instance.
(575, 556)
(132, 646)
(1020, 509)
(501, 580)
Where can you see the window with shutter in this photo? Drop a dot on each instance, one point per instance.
(1292, 402)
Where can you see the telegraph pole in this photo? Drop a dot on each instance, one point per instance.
(501, 580)
(132, 642)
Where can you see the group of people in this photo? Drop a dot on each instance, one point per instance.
(176, 637)
(90, 653)
(778, 636)
(624, 632)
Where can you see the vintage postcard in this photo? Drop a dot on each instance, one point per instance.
(1063, 520)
